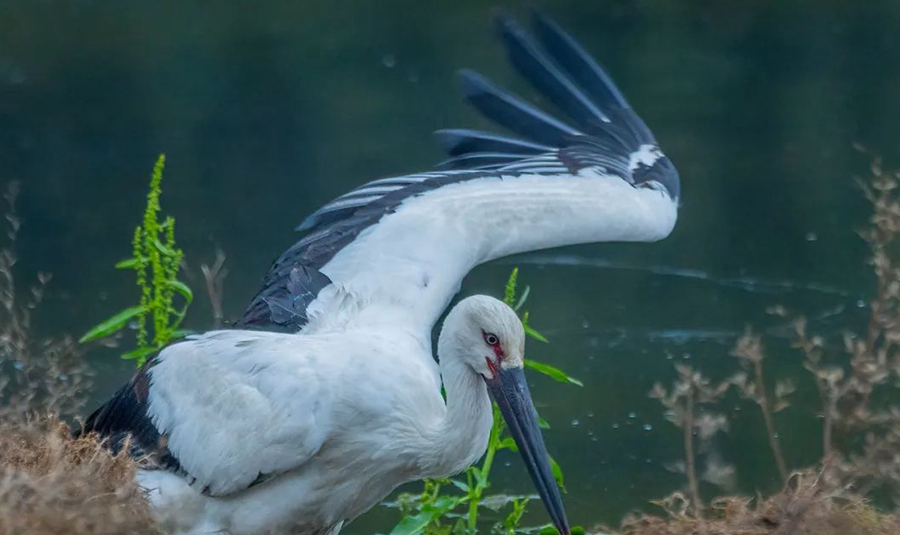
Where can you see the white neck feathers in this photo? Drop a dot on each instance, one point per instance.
(461, 436)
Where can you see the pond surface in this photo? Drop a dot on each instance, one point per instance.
(267, 110)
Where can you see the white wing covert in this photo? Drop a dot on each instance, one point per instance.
(236, 409)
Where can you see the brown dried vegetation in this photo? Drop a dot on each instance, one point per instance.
(35, 375)
(53, 484)
(859, 390)
(804, 507)
(50, 483)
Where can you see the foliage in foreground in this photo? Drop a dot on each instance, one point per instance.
(155, 260)
(50, 483)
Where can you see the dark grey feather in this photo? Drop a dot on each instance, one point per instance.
(124, 423)
(481, 160)
(546, 77)
(456, 142)
(583, 69)
(510, 112)
(285, 305)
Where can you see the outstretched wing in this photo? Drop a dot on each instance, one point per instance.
(411, 239)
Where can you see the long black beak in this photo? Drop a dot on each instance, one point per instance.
(510, 391)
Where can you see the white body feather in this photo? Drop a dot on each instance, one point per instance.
(337, 420)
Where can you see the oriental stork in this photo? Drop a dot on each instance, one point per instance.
(325, 396)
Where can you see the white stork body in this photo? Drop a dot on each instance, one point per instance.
(251, 431)
(346, 417)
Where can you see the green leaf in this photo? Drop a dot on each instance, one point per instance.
(543, 424)
(163, 248)
(479, 477)
(410, 525)
(181, 333)
(515, 516)
(508, 443)
(509, 294)
(445, 503)
(181, 288)
(460, 527)
(129, 263)
(140, 353)
(113, 324)
(460, 485)
(522, 299)
(548, 529)
(554, 373)
(532, 332)
(557, 474)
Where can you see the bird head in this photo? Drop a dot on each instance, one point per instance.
(489, 337)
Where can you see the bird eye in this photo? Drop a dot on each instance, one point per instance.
(491, 339)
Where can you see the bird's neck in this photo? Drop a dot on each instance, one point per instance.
(461, 437)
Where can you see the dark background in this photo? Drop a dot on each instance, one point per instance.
(268, 109)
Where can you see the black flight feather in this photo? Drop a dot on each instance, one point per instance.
(456, 142)
(583, 69)
(546, 77)
(510, 112)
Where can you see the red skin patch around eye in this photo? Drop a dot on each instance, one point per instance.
(492, 367)
(498, 349)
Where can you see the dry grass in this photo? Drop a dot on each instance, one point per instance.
(36, 376)
(806, 506)
(51, 483)
(859, 391)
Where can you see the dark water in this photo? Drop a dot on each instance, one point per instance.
(268, 109)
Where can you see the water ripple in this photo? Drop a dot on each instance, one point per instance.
(750, 284)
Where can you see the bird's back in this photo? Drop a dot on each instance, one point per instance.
(239, 418)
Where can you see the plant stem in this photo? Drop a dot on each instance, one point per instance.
(830, 406)
(493, 443)
(767, 417)
(689, 453)
(437, 491)
(213, 276)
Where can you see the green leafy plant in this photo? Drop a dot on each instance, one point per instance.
(155, 261)
(436, 512)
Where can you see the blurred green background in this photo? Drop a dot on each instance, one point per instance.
(268, 109)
